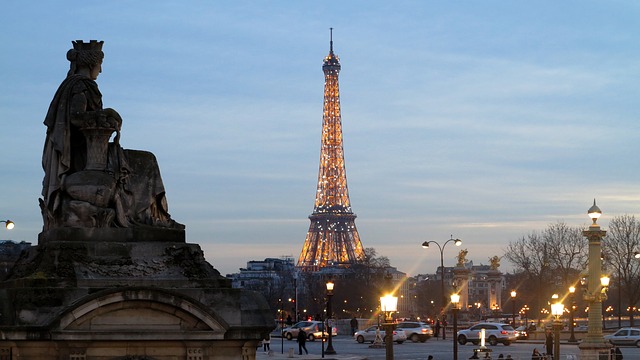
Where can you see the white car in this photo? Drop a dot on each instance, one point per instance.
(369, 335)
(494, 333)
(625, 336)
(313, 329)
(416, 330)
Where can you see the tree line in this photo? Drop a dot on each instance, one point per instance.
(552, 260)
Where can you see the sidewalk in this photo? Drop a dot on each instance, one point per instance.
(277, 355)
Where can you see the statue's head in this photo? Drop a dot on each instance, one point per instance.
(85, 54)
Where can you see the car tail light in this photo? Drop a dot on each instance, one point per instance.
(504, 332)
(424, 331)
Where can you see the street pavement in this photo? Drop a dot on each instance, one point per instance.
(347, 349)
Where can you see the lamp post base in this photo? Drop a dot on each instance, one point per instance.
(388, 340)
(594, 351)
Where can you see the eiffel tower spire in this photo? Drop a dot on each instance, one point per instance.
(332, 239)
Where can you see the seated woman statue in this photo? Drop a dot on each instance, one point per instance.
(90, 182)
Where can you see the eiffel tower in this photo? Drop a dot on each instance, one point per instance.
(332, 239)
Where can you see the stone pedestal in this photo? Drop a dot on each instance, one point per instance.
(600, 351)
(494, 296)
(125, 294)
(461, 279)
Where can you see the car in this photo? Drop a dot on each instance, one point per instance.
(625, 336)
(369, 335)
(495, 333)
(522, 332)
(415, 330)
(314, 329)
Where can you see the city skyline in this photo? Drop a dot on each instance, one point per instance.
(481, 121)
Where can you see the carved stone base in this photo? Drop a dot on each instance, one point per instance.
(82, 293)
(132, 234)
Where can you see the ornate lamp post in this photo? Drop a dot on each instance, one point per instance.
(557, 309)
(572, 337)
(525, 311)
(513, 303)
(455, 301)
(281, 326)
(457, 242)
(389, 305)
(594, 345)
(329, 327)
(8, 224)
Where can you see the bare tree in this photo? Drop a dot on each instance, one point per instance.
(567, 251)
(620, 245)
(550, 260)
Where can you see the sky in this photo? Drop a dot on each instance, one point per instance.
(481, 120)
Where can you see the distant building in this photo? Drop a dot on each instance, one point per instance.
(483, 286)
(9, 253)
(270, 272)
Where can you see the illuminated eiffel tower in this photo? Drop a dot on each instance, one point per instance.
(332, 240)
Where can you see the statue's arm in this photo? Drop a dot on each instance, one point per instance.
(78, 110)
(80, 115)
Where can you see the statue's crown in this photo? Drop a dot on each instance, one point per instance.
(80, 45)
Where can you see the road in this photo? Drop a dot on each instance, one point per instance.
(346, 347)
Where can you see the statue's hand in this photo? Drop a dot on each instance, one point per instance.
(112, 114)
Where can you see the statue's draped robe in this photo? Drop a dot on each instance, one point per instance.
(140, 196)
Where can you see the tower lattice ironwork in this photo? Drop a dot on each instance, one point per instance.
(332, 239)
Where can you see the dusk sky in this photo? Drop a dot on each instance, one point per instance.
(485, 120)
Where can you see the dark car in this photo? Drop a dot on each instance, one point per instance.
(522, 333)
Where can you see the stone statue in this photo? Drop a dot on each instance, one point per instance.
(462, 257)
(495, 262)
(90, 182)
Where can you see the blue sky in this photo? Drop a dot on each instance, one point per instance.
(484, 120)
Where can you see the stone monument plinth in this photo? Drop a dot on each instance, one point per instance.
(112, 276)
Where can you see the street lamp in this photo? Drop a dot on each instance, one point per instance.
(594, 345)
(572, 337)
(8, 224)
(330, 286)
(557, 309)
(513, 300)
(455, 300)
(389, 305)
(425, 245)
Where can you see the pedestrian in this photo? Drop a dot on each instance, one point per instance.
(536, 355)
(289, 320)
(616, 354)
(500, 356)
(437, 333)
(354, 325)
(444, 329)
(302, 342)
(548, 343)
(430, 357)
(266, 343)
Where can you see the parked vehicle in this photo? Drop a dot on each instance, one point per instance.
(369, 335)
(495, 333)
(314, 329)
(415, 330)
(625, 336)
